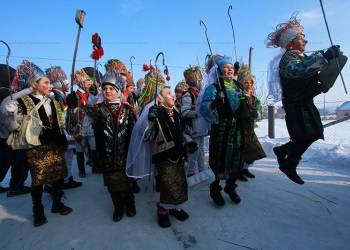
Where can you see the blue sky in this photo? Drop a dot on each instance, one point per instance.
(45, 32)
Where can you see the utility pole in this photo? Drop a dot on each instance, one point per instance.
(250, 57)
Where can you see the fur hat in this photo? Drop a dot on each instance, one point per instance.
(26, 73)
(193, 75)
(284, 33)
(56, 75)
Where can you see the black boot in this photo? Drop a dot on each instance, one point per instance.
(71, 184)
(230, 189)
(94, 159)
(129, 201)
(281, 152)
(289, 167)
(57, 205)
(135, 188)
(157, 183)
(163, 217)
(81, 165)
(117, 199)
(39, 216)
(248, 174)
(241, 177)
(38, 208)
(215, 193)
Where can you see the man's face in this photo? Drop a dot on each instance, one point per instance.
(300, 43)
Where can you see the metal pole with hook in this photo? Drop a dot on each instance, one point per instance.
(233, 31)
(211, 53)
(8, 67)
(155, 94)
(132, 73)
(329, 35)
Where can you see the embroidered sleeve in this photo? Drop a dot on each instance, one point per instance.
(211, 116)
(295, 66)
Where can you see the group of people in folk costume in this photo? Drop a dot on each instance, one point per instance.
(134, 135)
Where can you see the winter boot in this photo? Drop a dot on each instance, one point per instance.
(289, 167)
(129, 201)
(81, 165)
(135, 188)
(281, 152)
(38, 208)
(248, 174)
(180, 215)
(230, 189)
(59, 207)
(241, 177)
(156, 178)
(215, 193)
(163, 217)
(117, 199)
(94, 159)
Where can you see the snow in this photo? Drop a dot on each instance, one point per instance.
(275, 213)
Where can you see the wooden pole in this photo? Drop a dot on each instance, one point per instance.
(271, 122)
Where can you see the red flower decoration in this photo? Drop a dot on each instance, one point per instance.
(168, 78)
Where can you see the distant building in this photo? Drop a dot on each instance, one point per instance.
(343, 110)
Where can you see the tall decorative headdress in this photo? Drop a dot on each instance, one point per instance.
(150, 85)
(181, 86)
(244, 74)
(284, 33)
(113, 78)
(193, 75)
(117, 65)
(57, 76)
(80, 76)
(27, 72)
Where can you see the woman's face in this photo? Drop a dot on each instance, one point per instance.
(228, 70)
(109, 93)
(300, 43)
(168, 97)
(248, 85)
(42, 87)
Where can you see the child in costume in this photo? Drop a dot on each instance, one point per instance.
(46, 162)
(157, 136)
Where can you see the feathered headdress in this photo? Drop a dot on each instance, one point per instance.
(27, 72)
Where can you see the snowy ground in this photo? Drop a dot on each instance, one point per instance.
(275, 213)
